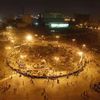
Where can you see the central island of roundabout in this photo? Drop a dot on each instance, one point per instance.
(47, 60)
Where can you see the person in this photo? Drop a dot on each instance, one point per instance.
(32, 81)
(15, 90)
(53, 83)
(48, 80)
(43, 92)
(20, 75)
(45, 97)
(11, 77)
(9, 86)
(57, 81)
(85, 95)
(67, 76)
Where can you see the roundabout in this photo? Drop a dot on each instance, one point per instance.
(36, 65)
(47, 60)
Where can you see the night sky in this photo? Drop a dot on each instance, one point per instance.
(11, 7)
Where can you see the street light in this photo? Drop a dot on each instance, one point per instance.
(73, 40)
(36, 35)
(42, 36)
(80, 53)
(57, 36)
(9, 27)
(29, 37)
(56, 58)
(84, 45)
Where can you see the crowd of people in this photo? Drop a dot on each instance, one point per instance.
(53, 67)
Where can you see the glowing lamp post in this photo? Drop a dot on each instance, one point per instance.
(73, 40)
(36, 35)
(81, 55)
(56, 59)
(29, 37)
(57, 36)
(29, 40)
(84, 46)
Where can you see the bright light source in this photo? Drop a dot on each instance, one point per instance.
(73, 40)
(80, 53)
(36, 35)
(56, 58)
(59, 25)
(73, 20)
(36, 23)
(9, 27)
(67, 19)
(98, 28)
(42, 36)
(84, 45)
(57, 36)
(29, 37)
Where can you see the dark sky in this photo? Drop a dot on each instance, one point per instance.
(9, 7)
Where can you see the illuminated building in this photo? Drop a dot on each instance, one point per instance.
(52, 21)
